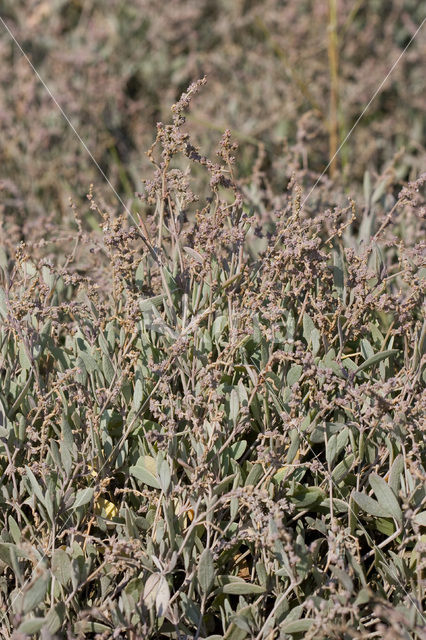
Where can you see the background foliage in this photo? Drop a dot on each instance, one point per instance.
(116, 68)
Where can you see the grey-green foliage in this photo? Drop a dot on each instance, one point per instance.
(213, 444)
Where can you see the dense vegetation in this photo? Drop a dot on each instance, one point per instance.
(212, 398)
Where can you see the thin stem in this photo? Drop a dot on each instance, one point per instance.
(333, 58)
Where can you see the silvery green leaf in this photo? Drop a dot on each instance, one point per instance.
(237, 449)
(162, 597)
(378, 357)
(61, 566)
(242, 588)
(294, 374)
(254, 475)
(241, 622)
(55, 618)
(296, 626)
(24, 360)
(14, 530)
(331, 450)
(83, 497)
(81, 374)
(308, 327)
(107, 368)
(205, 572)
(35, 485)
(138, 395)
(343, 468)
(234, 405)
(395, 473)
(191, 609)
(386, 496)
(148, 303)
(316, 341)
(420, 519)
(3, 303)
(151, 589)
(31, 626)
(164, 475)
(144, 475)
(35, 594)
(370, 506)
(89, 362)
(194, 254)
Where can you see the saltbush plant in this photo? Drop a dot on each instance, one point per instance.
(211, 418)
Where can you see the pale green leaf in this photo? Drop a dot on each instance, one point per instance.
(83, 497)
(242, 588)
(386, 496)
(61, 566)
(205, 571)
(378, 357)
(162, 597)
(296, 626)
(31, 626)
(145, 470)
(35, 594)
(420, 519)
(370, 505)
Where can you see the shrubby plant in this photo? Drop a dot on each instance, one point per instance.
(211, 417)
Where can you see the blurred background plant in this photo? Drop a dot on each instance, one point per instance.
(288, 78)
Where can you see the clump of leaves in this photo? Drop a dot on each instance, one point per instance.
(220, 434)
